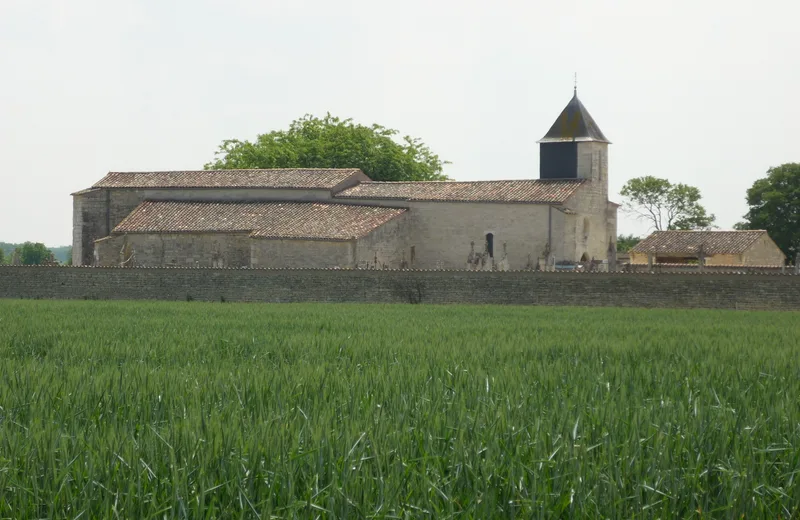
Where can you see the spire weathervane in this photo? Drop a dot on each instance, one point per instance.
(575, 85)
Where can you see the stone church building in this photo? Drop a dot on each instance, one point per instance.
(339, 218)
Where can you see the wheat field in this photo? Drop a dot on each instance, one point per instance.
(218, 410)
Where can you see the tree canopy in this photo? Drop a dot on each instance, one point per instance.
(31, 253)
(774, 203)
(664, 205)
(61, 253)
(2, 257)
(626, 242)
(330, 142)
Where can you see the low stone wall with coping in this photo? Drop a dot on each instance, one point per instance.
(619, 289)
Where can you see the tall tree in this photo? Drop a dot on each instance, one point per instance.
(31, 253)
(664, 205)
(626, 242)
(2, 257)
(330, 142)
(774, 203)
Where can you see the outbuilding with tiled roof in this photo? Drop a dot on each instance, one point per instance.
(735, 248)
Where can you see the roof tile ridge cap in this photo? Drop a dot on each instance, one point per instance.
(479, 181)
(145, 172)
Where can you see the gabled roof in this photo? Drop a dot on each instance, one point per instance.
(574, 124)
(689, 242)
(304, 178)
(289, 220)
(534, 191)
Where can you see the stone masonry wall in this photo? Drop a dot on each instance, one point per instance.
(442, 232)
(764, 252)
(388, 244)
(318, 254)
(176, 250)
(591, 203)
(777, 292)
(88, 224)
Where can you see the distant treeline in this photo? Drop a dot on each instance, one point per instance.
(61, 253)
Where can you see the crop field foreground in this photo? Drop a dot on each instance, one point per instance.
(219, 410)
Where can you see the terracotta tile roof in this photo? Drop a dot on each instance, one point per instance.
(299, 220)
(278, 178)
(530, 191)
(714, 242)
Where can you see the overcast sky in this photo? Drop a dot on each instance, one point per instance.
(701, 92)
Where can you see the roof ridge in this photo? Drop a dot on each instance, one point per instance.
(303, 178)
(142, 172)
(710, 231)
(326, 202)
(474, 182)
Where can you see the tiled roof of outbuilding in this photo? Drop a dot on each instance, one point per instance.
(534, 191)
(307, 178)
(713, 242)
(291, 220)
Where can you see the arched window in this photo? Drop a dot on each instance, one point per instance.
(490, 244)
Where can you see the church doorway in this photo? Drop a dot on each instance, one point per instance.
(585, 258)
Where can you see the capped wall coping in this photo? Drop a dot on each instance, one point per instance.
(738, 271)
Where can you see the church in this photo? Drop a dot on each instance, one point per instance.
(340, 218)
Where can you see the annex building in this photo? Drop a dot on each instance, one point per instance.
(339, 218)
(731, 248)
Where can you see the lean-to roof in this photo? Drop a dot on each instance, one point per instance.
(289, 220)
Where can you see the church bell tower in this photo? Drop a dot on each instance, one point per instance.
(574, 147)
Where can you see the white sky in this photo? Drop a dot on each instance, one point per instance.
(701, 92)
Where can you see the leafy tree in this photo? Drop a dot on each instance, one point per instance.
(2, 257)
(8, 249)
(626, 242)
(775, 206)
(33, 253)
(330, 142)
(665, 205)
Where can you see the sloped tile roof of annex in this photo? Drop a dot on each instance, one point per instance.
(288, 220)
(533, 191)
(302, 178)
(713, 242)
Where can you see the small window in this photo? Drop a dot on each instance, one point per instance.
(490, 244)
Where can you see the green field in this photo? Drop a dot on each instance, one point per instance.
(218, 410)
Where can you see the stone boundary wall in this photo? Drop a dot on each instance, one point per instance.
(694, 268)
(677, 290)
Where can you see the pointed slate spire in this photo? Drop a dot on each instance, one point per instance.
(574, 124)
